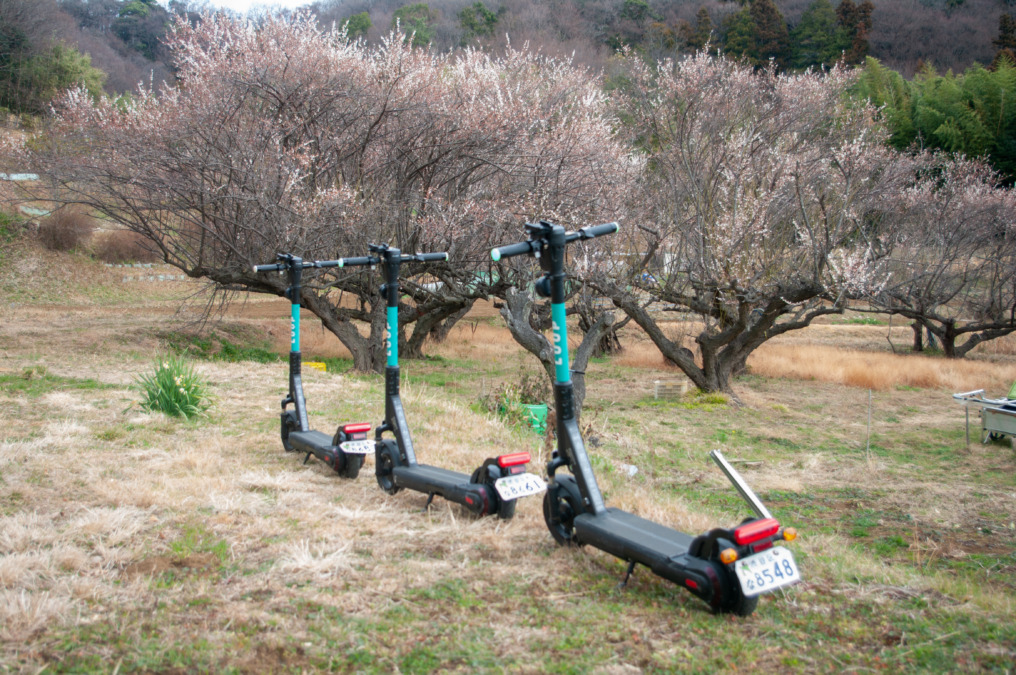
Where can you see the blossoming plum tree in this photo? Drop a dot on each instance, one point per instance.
(767, 202)
(282, 137)
(953, 270)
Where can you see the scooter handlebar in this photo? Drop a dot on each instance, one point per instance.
(533, 245)
(358, 262)
(306, 264)
(597, 230)
(426, 257)
(512, 250)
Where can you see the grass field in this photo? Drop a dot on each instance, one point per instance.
(132, 542)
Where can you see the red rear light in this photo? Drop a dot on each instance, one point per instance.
(356, 428)
(753, 531)
(513, 459)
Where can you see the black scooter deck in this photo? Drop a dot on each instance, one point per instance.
(630, 537)
(430, 479)
(452, 485)
(311, 441)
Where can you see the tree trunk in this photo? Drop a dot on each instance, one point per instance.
(363, 350)
(440, 333)
(610, 343)
(429, 321)
(918, 336)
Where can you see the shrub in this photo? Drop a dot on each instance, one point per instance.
(175, 389)
(123, 246)
(10, 226)
(65, 229)
(508, 399)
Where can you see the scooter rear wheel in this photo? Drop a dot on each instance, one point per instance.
(569, 504)
(739, 604)
(734, 601)
(353, 464)
(505, 507)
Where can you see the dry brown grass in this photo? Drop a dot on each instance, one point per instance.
(880, 371)
(122, 246)
(66, 229)
(108, 515)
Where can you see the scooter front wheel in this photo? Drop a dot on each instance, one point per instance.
(561, 503)
(386, 458)
(289, 423)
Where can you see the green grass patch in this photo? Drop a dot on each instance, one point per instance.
(219, 348)
(864, 321)
(196, 538)
(37, 381)
(695, 400)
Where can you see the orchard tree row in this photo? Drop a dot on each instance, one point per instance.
(751, 201)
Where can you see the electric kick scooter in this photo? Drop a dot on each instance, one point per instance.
(492, 488)
(344, 451)
(728, 568)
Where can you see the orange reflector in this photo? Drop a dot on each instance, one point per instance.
(755, 530)
(727, 556)
(789, 534)
(513, 459)
(356, 428)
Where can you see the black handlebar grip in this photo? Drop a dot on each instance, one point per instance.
(269, 268)
(598, 230)
(512, 250)
(353, 262)
(429, 257)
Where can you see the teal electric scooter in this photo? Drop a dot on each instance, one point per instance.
(728, 568)
(494, 487)
(345, 449)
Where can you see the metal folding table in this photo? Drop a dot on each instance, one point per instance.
(998, 415)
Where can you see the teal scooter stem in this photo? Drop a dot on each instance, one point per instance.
(494, 487)
(728, 568)
(343, 451)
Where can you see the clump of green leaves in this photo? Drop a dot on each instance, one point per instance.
(175, 389)
(218, 348)
(531, 388)
(508, 399)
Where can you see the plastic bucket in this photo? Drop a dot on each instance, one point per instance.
(537, 416)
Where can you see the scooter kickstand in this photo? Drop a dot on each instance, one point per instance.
(307, 458)
(624, 582)
(430, 498)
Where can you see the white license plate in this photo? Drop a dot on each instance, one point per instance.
(767, 571)
(519, 485)
(357, 447)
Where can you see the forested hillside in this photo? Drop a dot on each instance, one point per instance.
(902, 34)
(114, 44)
